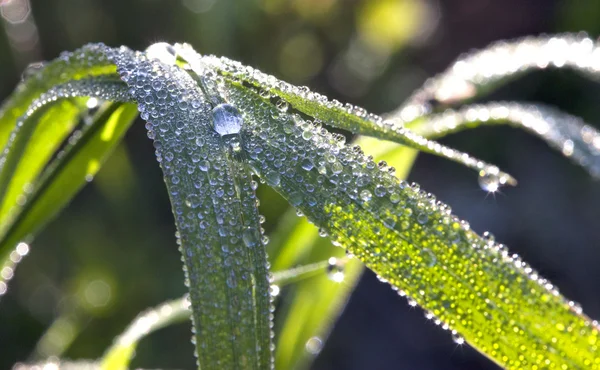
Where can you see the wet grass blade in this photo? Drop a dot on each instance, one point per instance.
(477, 73)
(312, 306)
(215, 210)
(570, 135)
(85, 62)
(354, 119)
(469, 283)
(119, 355)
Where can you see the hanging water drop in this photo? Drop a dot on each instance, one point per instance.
(489, 182)
(274, 290)
(227, 119)
(335, 269)
(458, 339)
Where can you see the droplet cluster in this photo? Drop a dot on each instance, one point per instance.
(569, 134)
(214, 206)
(470, 284)
(7, 270)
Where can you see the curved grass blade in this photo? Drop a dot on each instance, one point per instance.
(176, 311)
(348, 117)
(470, 283)
(569, 134)
(85, 62)
(479, 72)
(37, 136)
(71, 169)
(218, 224)
(119, 355)
(312, 305)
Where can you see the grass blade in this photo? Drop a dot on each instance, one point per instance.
(347, 117)
(214, 205)
(86, 62)
(118, 356)
(470, 283)
(569, 134)
(480, 72)
(313, 305)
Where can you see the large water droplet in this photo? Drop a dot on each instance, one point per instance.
(489, 182)
(227, 119)
(162, 51)
(32, 69)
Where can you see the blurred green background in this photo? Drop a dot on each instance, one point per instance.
(112, 252)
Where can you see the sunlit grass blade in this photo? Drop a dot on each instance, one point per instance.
(37, 136)
(479, 72)
(215, 211)
(85, 62)
(569, 134)
(311, 306)
(470, 283)
(119, 355)
(348, 117)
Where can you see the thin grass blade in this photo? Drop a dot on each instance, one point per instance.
(570, 135)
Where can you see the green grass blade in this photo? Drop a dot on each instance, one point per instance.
(118, 356)
(312, 305)
(347, 117)
(85, 62)
(214, 205)
(471, 284)
(569, 134)
(37, 136)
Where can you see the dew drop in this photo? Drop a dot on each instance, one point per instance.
(272, 178)
(227, 119)
(162, 51)
(335, 270)
(192, 201)
(458, 339)
(250, 237)
(365, 195)
(274, 290)
(489, 182)
(32, 69)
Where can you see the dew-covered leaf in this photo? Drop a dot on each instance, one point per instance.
(312, 306)
(471, 284)
(354, 119)
(38, 78)
(215, 208)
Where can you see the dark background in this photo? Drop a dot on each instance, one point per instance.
(112, 253)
